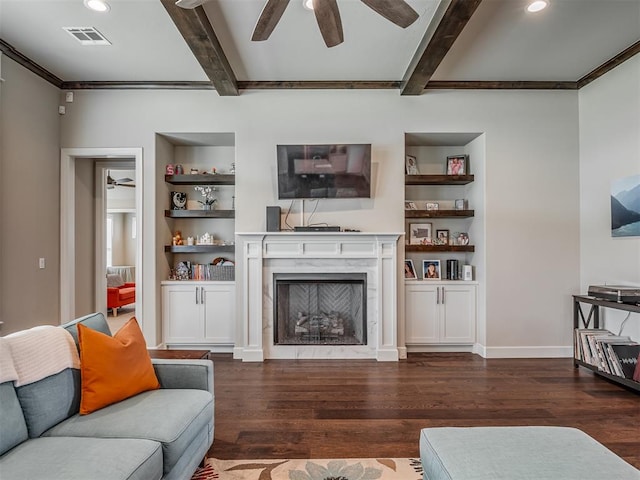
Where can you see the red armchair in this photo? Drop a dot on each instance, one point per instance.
(119, 293)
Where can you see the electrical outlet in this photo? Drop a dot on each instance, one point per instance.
(62, 109)
(41, 262)
(69, 97)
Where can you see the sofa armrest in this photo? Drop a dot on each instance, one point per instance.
(196, 374)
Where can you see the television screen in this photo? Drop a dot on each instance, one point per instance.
(324, 171)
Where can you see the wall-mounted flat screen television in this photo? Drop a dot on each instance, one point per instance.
(324, 171)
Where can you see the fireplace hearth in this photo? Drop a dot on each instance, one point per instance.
(320, 309)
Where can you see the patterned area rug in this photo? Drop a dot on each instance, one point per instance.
(305, 469)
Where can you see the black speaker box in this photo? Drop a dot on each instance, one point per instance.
(273, 219)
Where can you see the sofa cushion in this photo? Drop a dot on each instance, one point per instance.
(114, 280)
(95, 321)
(127, 293)
(12, 424)
(184, 414)
(49, 401)
(63, 458)
(113, 368)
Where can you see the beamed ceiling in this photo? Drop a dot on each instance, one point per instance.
(459, 44)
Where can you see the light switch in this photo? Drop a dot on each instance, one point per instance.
(41, 262)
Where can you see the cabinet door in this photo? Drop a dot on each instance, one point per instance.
(219, 313)
(182, 314)
(421, 313)
(458, 320)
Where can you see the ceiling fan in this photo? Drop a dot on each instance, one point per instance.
(121, 182)
(327, 16)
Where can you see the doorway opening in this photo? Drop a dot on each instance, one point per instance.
(118, 219)
(83, 225)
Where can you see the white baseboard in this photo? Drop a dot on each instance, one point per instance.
(249, 355)
(526, 352)
(388, 355)
(497, 352)
(440, 348)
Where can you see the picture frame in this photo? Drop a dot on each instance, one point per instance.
(411, 166)
(420, 233)
(461, 204)
(457, 165)
(410, 206)
(178, 200)
(432, 206)
(431, 269)
(462, 238)
(409, 270)
(442, 236)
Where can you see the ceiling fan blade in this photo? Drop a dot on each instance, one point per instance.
(328, 17)
(269, 18)
(396, 11)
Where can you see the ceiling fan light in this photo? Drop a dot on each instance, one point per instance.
(537, 6)
(308, 4)
(97, 5)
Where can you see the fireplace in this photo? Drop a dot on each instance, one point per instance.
(320, 309)
(365, 262)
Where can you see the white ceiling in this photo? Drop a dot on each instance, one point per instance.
(500, 43)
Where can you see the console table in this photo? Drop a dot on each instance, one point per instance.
(178, 354)
(594, 315)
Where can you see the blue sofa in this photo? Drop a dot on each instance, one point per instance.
(159, 434)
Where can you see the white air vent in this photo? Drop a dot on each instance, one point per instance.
(87, 35)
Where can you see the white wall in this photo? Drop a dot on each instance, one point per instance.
(531, 178)
(29, 199)
(609, 150)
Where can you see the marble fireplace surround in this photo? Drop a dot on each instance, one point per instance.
(263, 254)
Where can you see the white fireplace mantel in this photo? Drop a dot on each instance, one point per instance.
(265, 253)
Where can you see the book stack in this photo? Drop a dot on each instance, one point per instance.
(613, 354)
(212, 272)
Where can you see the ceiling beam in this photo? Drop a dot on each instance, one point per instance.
(194, 26)
(501, 85)
(319, 85)
(136, 85)
(8, 50)
(448, 22)
(623, 56)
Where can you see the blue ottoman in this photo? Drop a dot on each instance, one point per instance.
(518, 453)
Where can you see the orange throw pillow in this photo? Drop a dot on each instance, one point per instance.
(113, 368)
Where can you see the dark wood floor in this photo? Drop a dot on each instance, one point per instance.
(362, 408)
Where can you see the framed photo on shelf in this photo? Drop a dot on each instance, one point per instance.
(409, 270)
(410, 206)
(462, 238)
(411, 166)
(420, 233)
(431, 269)
(432, 206)
(442, 237)
(458, 165)
(461, 204)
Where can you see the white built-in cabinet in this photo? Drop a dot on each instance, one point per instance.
(198, 313)
(440, 312)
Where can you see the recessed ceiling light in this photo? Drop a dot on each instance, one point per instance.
(308, 4)
(97, 5)
(536, 6)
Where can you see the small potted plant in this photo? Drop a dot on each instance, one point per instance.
(209, 200)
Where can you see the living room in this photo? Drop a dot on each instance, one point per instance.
(548, 160)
